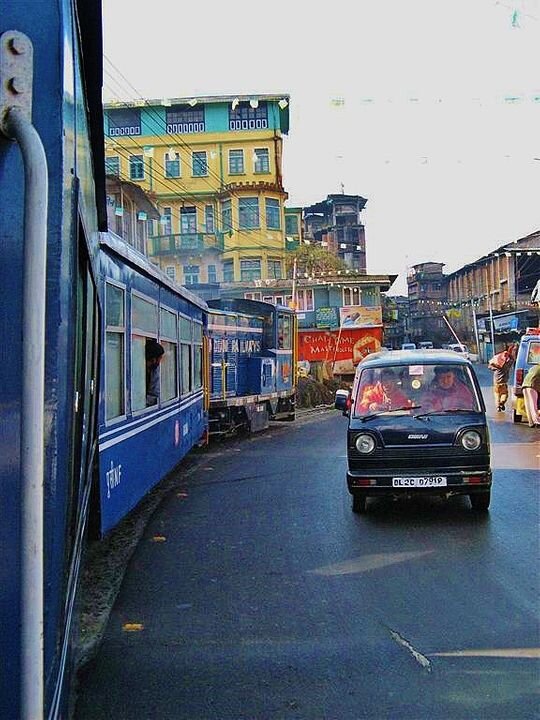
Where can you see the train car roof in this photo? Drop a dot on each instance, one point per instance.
(247, 305)
(114, 243)
(89, 15)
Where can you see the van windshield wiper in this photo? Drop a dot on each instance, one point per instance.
(451, 411)
(385, 412)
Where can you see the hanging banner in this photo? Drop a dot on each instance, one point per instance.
(360, 316)
(344, 348)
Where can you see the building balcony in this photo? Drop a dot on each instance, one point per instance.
(171, 244)
(291, 243)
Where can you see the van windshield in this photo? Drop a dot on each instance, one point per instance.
(417, 389)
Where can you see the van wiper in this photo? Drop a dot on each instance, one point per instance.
(385, 412)
(455, 411)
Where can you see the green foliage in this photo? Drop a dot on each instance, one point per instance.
(313, 259)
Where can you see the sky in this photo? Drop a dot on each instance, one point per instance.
(429, 109)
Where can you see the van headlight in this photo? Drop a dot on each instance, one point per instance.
(365, 443)
(471, 440)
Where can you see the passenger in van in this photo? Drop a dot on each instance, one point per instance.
(154, 352)
(447, 392)
(383, 395)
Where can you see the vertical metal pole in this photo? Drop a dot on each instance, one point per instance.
(294, 285)
(475, 329)
(16, 75)
(491, 324)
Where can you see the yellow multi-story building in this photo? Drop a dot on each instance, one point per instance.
(213, 167)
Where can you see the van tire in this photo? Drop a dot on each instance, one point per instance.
(480, 501)
(517, 418)
(359, 503)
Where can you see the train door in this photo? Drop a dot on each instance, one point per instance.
(83, 445)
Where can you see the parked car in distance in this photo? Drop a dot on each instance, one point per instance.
(408, 346)
(528, 354)
(425, 345)
(417, 425)
(463, 350)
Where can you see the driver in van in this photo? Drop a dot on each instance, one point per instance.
(383, 395)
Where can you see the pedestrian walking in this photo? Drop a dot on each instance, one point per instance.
(531, 389)
(501, 364)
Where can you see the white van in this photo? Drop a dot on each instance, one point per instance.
(464, 351)
(408, 346)
(426, 345)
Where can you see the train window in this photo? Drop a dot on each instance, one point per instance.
(114, 352)
(138, 372)
(184, 326)
(144, 324)
(284, 332)
(197, 356)
(144, 315)
(169, 364)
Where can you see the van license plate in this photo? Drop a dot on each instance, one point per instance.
(431, 481)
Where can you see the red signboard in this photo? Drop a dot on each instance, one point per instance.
(351, 344)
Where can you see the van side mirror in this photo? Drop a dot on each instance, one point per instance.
(342, 401)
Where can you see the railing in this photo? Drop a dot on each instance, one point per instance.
(170, 244)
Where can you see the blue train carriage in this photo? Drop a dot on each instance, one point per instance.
(52, 206)
(143, 436)
(253, 354)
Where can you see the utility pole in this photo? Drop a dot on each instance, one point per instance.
(475, 327)
(294, 285)
(491, 323)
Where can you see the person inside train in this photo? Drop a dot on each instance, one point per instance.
(383, 395)
(154, 354)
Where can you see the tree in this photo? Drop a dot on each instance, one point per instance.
(313, 259)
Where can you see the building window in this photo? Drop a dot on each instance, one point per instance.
(272, 214)
(114, 352)
(352, 296)
(261, 160)
(226, 215)
(274, 268)
(228, 271)
(136, 167)
(209, 225)
(182, 120)
(252, 296)
(170, 271)
(250, 269)
(291, 224)
(191, 274)
(188, 220)
(199, 164)
(112, 165)
(245, 117)
(166, 221)
(212, 274)
(236, 162)
(172, 165)
(304, 299)
(124, 122)
(248, 210)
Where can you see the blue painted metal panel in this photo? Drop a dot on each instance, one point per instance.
(140, 452)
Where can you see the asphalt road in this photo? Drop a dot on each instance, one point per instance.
(256, 593)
